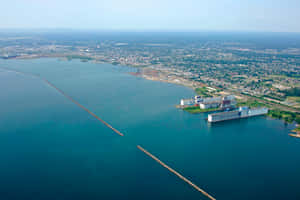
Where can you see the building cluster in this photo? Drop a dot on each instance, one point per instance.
(237, 67)
(225, 102)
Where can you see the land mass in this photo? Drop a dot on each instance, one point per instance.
(256, 72)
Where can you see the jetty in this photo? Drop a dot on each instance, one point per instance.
(84, 108)
(175, 172)
(67, 96)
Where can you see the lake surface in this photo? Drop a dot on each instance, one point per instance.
(52, 149)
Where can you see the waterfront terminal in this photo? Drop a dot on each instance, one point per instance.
(242, 112)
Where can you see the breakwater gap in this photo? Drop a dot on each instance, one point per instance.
(113, 129)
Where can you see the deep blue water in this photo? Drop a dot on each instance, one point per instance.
(52, 149)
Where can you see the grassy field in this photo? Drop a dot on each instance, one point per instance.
(297, 129)
(287, 116)
(202, 92)
(251, 103)
(82, 58)
(196, 109)
(294, 99)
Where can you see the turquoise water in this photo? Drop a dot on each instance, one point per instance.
(52, 149)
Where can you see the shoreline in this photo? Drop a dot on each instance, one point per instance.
(151, 75)
(297, 135)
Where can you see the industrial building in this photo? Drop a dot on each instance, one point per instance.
(198, 99)
(211, 102)
(242, 112)
(208, 105)
(228, 102)
(218, 102)
(212, 99)
(187, 102)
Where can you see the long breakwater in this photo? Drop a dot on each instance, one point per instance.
(115, 130)
(68, 97)
(175, 172)
(84, 108)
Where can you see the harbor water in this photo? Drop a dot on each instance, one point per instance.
(52, 149)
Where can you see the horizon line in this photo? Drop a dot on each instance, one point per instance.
(140, 30)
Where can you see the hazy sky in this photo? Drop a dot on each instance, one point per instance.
(206, 15)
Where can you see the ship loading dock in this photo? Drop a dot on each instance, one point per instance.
(242, 112)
